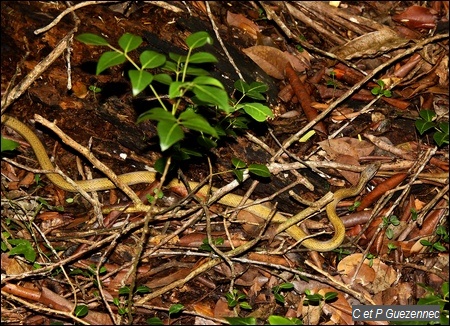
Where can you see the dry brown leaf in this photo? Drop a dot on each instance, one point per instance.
(243, 23)
(269, 59)
(340, 310)
(79, 89)
(383, 274)
(353, 149)
(168, 279)
(222, 310)
(350, 146)
(203, 309)
(369, 44)
(416, 17)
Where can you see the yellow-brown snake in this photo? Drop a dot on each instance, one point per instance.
(229, 200)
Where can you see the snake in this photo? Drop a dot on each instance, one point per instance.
(231, 200)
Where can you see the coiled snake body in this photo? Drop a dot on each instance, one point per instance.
(231, 200)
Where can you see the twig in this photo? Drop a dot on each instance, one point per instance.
(355, 87)
(216, 31)
(88, 154)
(68, 11)
(18, 90)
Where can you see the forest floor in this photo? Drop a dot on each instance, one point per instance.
(330, 92)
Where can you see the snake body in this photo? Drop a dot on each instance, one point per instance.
(231, 200)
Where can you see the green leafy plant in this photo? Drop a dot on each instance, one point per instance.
(236, 298)
(241, 320)
(256, 169)
(81, 310)
(173, 310)
(433, 298)
(8, 145)
(197, 102)
(370, 257)
(390, 247)
(279, 320)
(388, 221)
(315, 299)
(276, 290)
(21, 247)
(443, 236)
(123, 305)
(341, 253)
(379, 90)
(427, 122)
(207, 247)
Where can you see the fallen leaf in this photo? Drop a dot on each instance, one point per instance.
(375, 278)
(416, 17)
(370, 44)
(243, 23)
(203, 309)
(269, 59)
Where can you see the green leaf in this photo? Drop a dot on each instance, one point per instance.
(444, 127)
(427, 115)
(154, 321)
(129, 42)
(245, 305)
(22, 247)
(212, 95)
(387, 93)
(160, 164)
(258, 111)
(445, 290)
(256, 96)
(109, 59)
(208, 80)
(206, 142)
(145, 288)
(91, 39)
(284, 286)
(239, 175)
(169, 133)
(195, 71)
(258, 87)
(330, 296)
(177, 57)
(198, 39)
(376, 90)
(151, 59)
(279, 297)
(241, 320)
(8, 145)
(158, 114)
(170, 66)
(140, 79)
(389, 234)
(177, 89)
(241, 86)
(423, 125)
(237, 163)
(163, 79)
(439, 247)
(202, 57)
(81, 310)
(176, 308)
(279, 320)
(194, 121)
(124, 290)
(440, 138)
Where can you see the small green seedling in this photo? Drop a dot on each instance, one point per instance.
(379, 90)
(427, 122)
(236, 298)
